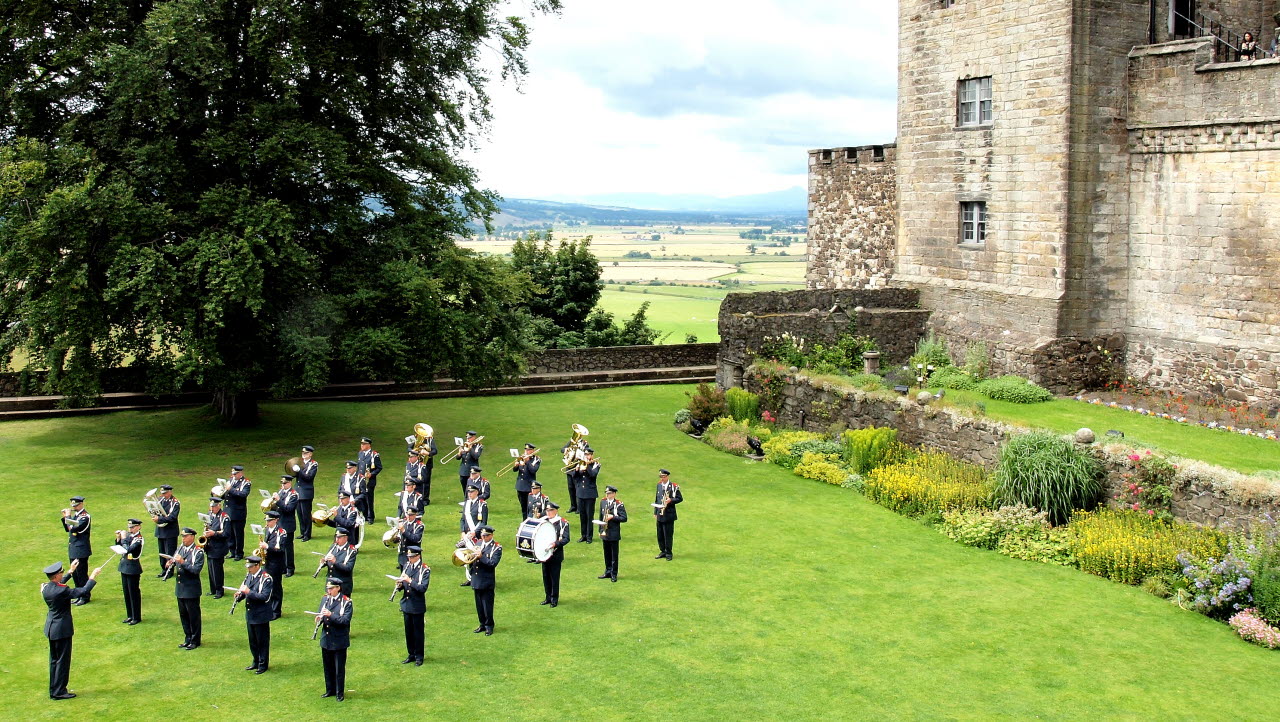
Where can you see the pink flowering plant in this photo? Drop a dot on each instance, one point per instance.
(1147, 486)
(1253, 628)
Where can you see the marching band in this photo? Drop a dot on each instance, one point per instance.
(541, 537)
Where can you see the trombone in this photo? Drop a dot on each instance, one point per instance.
(464, 446)
(516, 456)
(577, 465)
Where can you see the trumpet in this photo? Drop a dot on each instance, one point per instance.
(464, 446)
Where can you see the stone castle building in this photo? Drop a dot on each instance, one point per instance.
(1075, 176)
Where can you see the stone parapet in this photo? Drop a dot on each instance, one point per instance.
(853, 210)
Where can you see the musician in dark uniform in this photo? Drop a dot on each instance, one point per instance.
(354, 484)
(613, 513)
(410, 535)
(275, 537)
(526, 468)
(58, 627)
(569, 452)
(341, 560)
(166, 526)
(348, 515)
(415, 472)
(188, 563)
(237, 509)
(130, 569)
(370, 465)
(468, 457)
(428, 461)
(537, 501)
(305, 484)
(78, 525)
(256, 593)
(551, 567)
(216, 546)
(584, 481)
(483, 579)
(335, 637)
(287, 505)
(475, 511)
(479, 482)
(413, 583)
(664, 502)
(409, 499)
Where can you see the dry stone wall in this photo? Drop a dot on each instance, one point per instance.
(853, 214)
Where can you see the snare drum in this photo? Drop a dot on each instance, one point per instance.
(535, 539)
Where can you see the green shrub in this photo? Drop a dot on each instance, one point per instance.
(1045, 471)
(707, 403)
(1014, 389)
(1266, 595)
(1016, 531)
(1127, 546)
(777, 449)
(1044, 544)
(729, 435)
(971, 527)
(822, 467)
(824, 368)
(866, 449)
(930, 351)
(844, 356)
(976, 359)
(817, 445)
(867, 382)
(951, 377)
(743, 405)
(682, 416)
(930, 483)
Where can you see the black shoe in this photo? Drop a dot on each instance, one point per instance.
(191, 647)
(126, 620)
(260, 671)
(488, 632)
(184, 645)
(288, 574)
(417, 662)
(407, 660)
(326, 694)
(530, 561)
(208, 594)
(64, 695)
(478, 630)
(305, 539)
(465, 584)
(218, 595)
(251, 668)
(134, 621)
(160, 576)
(603, 576)
(545, 601)
(613, 579)
(553, 604)
(340, 697)
(587, 541)
(662, 555)
(573, 511)
(668, 557)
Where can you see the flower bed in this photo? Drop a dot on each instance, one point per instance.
(1234, 419)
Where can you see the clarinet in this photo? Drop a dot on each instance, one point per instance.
(323, 563)
(238, 596)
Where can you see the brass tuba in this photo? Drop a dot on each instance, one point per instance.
(418, 443)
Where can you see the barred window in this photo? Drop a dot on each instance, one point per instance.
(975, 101)
(973, 222)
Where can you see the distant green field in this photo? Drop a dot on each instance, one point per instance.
(676, 315)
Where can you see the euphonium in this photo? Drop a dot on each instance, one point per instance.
(151, 502)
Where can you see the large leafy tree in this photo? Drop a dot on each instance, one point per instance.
(566, 278)
(251, 193)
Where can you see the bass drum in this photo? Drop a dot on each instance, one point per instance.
(535, 539)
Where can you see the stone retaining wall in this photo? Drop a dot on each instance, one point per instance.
(1201, 496)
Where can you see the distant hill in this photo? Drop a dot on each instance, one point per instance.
(793, 201)
(682, 209)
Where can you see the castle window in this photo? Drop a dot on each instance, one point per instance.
(944, 4)
(975, 101)
(973, 222)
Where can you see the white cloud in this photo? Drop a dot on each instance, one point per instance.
(720, 98)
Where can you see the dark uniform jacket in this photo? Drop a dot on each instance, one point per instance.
(411, 535)
(371, 462)
(474, 513)
(612, 531)
(335, 630)
(78, 526)
(409, 501)
(561, 526)
(482, 569)
(286, 504)
(257, 603)
(237, 493)
(527, 474)
(676, 497)
(414, 598)
(468, 459)
(416, 472)
(305, 480)
(57, 624)
(219, 543)
(584, 482)
(167, 526)
(275, 561)
(129, 563)
(355, 485)
(344, 561)
(187, 572)
(537, 506)
(429, 460)
(346, 518)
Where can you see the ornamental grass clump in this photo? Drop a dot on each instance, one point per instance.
(872, 447)
(1128, 546)
(743, 405)
(1045, 471)
(930, 483)
(822, 467)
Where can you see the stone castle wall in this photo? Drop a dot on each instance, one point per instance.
(1204, 179)
(853, 214)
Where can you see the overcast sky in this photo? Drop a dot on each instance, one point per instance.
(691, 96)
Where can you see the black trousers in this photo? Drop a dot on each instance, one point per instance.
(81, 576)
(484, 607)
(260, 644)
(524, 504)
(335, 670)
(368, 500)
(59, 665)
(277, 592)
(414, 634)
(610, 558)
(551, 577)
(573, 493)
(215, 566)
(189, 613)
(462, 481)
(425, 488)
(132, 596)
(166, 546)
(237, 539)
(586, 509)
(666, 534)
(288, 551)
(304, 519)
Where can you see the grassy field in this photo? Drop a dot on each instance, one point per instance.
(1246, 454)
(789, 597)
(671, 314)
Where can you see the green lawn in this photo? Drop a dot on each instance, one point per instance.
(787, 597)
(1233, 451)
(679, 310)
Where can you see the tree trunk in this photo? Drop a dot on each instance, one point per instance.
(236, 409)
